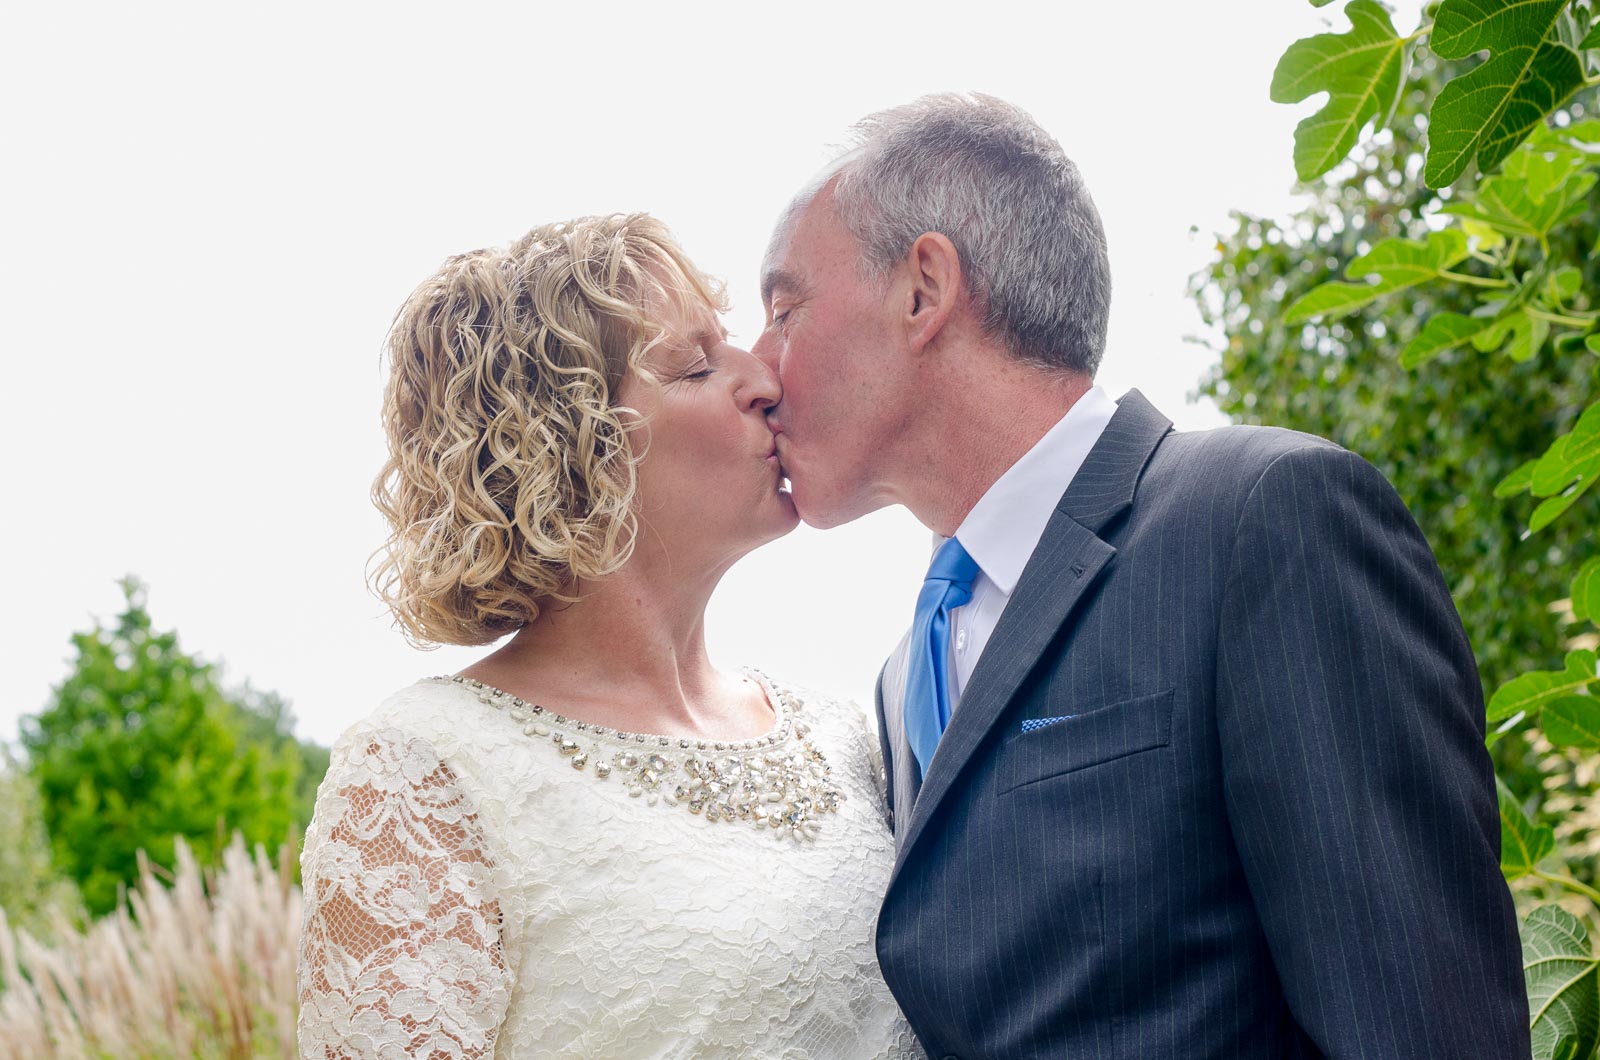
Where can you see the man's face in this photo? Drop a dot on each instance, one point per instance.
(829, 338)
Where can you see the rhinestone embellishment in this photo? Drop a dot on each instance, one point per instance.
(767, 782)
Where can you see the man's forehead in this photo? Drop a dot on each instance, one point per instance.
(783, 232)
(778, 269)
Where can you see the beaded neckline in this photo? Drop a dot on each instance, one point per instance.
(518, 706)
(760, 781)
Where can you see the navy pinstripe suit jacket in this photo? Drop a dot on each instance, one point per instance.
(1267, 826)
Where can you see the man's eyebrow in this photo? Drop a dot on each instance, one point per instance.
(774, 278)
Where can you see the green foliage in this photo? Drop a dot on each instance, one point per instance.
(139, 745)
(1562, 996)
(1537, 190)
(1572, 721)
(1479, 116)
(1523, 844)
(32, 895)
(1586, 591)
(1395, 263)
(1486, 113)
(1527, 694)
(1360, 70)
(265, 719)
(1455, 354)
(1566, 470)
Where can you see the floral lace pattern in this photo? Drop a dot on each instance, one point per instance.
(400, 953)
(469, 893)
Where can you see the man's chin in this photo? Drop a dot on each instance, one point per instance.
(815, 511)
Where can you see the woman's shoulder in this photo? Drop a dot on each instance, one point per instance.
(429, 710)
(439, 737)
(817, 708)
(431, 720)
(801, 694)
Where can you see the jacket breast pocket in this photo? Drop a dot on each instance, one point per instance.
(1093, 738)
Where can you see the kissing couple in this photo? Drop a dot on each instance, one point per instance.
(1182, 754)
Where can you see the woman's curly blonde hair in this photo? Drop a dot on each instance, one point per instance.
(511, 475)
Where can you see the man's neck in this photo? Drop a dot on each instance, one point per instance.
(974, 433)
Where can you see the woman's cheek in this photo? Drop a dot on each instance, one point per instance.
(719, 436)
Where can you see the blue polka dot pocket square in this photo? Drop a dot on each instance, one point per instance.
(1030, 724)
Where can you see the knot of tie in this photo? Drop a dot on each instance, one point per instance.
(952, 564)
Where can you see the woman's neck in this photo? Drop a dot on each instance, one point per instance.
(630, 654)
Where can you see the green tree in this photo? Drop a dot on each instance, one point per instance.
(139, 744)
(266, 719)
(1434, 307)
(32, 894)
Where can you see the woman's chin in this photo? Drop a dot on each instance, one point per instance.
(772, 517)
(784, 514)
(787, 516)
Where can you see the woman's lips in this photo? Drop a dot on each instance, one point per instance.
(776, 463)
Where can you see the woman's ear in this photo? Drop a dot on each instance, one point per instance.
(934, 270)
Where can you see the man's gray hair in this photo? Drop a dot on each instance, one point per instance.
(983, 173)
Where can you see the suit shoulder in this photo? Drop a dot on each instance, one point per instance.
(1245, 451)
(1220, 468)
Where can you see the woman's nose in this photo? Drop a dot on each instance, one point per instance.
(761, 388)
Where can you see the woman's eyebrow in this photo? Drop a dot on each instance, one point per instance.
(706, 337)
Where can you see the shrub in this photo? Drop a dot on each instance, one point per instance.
(32, 895)
(140, 744)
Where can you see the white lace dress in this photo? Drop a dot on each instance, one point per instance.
(484, 878)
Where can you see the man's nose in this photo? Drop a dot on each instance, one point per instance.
(765, 350)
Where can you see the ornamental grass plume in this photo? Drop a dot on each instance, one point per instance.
(201, 966)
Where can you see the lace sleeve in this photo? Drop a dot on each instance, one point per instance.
(400, 953)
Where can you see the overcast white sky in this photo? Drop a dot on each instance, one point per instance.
(214, 209)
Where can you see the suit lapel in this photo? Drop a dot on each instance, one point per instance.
(1069, 558)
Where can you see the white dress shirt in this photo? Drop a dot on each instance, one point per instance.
(1004, 527)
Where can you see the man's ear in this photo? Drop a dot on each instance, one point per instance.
(936, 287)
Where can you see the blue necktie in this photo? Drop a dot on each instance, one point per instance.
(927, 708)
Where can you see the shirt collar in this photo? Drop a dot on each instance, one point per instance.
(1004, 527)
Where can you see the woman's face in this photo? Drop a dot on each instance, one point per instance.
(710, 487)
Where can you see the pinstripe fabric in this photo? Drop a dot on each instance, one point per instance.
(1265, 826)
